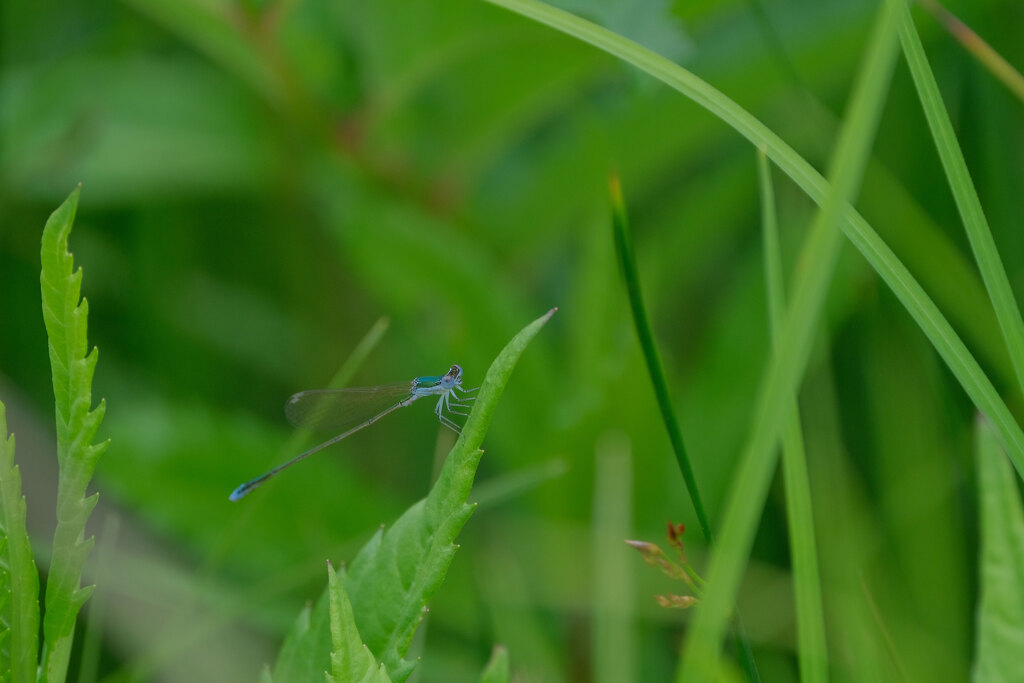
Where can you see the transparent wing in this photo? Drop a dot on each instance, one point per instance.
(341, 409)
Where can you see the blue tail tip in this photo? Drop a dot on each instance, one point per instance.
(238, 494)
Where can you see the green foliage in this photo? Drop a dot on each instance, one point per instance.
(66, 319)
(19, 581)
(264, 180)
(819, 254)
(1001, 610)
(302, 655)
(498, 668)
(351, 660)
(396, 573)
(899, 279)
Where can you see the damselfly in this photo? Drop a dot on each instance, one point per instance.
(349, 410)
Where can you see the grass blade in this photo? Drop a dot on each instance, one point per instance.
(66, 317)
(627, 261)
(812, 649)
(969, 205)
(782, 378)
(982, 51)
(19, 580)
(613, 627)
(917, 302)
(1000, 638)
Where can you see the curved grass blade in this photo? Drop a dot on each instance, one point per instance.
(966, 196)
(66, 316)
(902, 283)
(19, 580)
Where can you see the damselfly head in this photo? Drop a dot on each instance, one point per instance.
(454, 376)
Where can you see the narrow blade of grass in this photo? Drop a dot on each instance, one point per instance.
(1000, 615)
(19, 580)
(627, 261)
(982, 51)
(812, 650)
(969, 205)
(66, 318)
(613, 629)
(776, 394)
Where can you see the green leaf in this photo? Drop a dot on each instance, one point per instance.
(1000, 639)
(497, 669)
(19, 580)
(398, 571)
(66, 317)
(351, 660)
(302, 657)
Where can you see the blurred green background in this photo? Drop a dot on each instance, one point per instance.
(264, 181)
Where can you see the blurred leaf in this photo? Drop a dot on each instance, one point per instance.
(66, 318)
(613, 630)
(301, 659)
(1000, 615)
(217, 27)
(982, 51)
(497, 669)
(19, 580)
(351, 660)
(140, 127)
